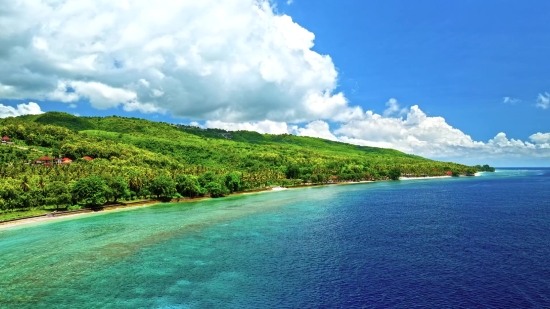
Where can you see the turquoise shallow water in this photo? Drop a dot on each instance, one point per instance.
(466, 242)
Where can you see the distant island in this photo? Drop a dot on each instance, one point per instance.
(60, 161)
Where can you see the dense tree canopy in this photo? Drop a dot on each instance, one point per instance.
(162, 186)
(90, 191)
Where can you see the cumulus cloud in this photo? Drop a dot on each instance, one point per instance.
(433, 137)
(416, 133)
(540, 138)
(30, 108)
(543, 100)
(231, 60)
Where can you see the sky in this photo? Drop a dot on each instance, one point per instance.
(463, 81)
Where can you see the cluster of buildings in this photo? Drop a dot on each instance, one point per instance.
(45, 160)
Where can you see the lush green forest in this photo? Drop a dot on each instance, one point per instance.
(135, 158)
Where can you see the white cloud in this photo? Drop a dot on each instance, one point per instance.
(392, 107)
(30, 108)
(232, 60)
(432, 137)
(417, 133)
(540, 138)
(316, 128)
(543, 100)
(510, 100)
(289, 2)
(196, 124)
(102, 96)
(265, 126)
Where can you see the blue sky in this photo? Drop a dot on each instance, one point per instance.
(456, 59)
(424, 77)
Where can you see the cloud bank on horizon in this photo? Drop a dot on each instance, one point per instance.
(237, 65)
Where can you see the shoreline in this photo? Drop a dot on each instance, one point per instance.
(131, 206)
(427, 177)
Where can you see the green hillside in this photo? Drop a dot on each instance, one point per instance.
(138, 158)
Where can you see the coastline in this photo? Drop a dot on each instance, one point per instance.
(25, 221)
(131, 206)
(421, 178)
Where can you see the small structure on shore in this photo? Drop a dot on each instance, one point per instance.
(60, 161)
(6, 140)
(332, 179)
(87, 158)
(44, 160)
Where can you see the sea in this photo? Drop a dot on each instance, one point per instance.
(464, 242)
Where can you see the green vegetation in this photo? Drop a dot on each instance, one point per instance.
(485, 168)
(24, 213)
(135, 159)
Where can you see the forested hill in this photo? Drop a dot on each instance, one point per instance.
(189, 145)
(136, 153)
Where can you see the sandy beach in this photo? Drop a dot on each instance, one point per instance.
(10, 224)
(43, 219)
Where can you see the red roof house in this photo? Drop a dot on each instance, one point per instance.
(63, 161)
(87, 158)
(5, 139)
(44, 159)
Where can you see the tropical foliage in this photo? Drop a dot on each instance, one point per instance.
(135, 158)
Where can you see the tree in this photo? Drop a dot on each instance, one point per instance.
(233, 182)
(144, 193)
(119, 187)
(394, 173)
(57, 193)
(10, 194)
(90, 191)
(188, 185)
(162, 186)
(206, 178)
(35, 198)
(215, 189)
(292, 172)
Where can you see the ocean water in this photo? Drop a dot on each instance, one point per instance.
(468, 242)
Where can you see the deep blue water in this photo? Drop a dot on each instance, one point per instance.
(468, 242)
